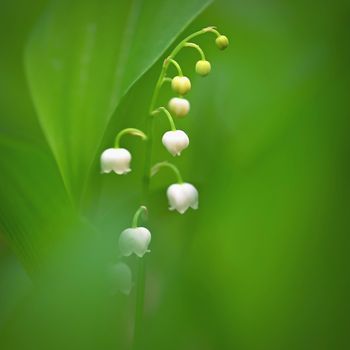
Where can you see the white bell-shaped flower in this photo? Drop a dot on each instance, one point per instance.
(175, 141)
(182, 196)
(121, 278)
(117, 160)
(179, 106)
(134, 240)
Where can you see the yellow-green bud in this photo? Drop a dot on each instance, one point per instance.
(222, 42)
(181, 85)
(203, 68)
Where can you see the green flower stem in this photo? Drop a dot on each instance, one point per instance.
(198, 48)
(140, 283)
(167, 113)
(139, 211)
(130, 131)
(179, 70)
(140, 291)
(166, 164)
(213, 30)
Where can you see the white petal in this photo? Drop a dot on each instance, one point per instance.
(182, 196)
(192, 194)
(175, 141)
(126, 242)
(134, 240)
(115, 159)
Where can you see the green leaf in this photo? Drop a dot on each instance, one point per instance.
(36, 211)
(82, 57)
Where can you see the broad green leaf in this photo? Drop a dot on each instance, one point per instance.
(82, 57)
(35, 210)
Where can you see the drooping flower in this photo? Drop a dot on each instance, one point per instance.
(134, 240)
(179, 106)
(181, 85)
(175, 141)
(117, 160)
(203, 67)
(121, 278)
(182, 196)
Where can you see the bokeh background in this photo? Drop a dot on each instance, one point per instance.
(264, 262)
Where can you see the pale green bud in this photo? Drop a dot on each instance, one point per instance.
(222, 42)
(181, 85)
(203, 68)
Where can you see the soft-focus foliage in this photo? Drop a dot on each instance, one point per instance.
(263, 263)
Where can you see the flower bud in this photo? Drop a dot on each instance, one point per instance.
(175, 141)
(121, 278)
(117, 160)
(134, 240)
(182, 196)
(222, 42)
(179, 106)
(181, 85)
(203, 68)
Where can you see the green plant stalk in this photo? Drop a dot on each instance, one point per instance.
(198, 48)
(166, 164)
(130, 131)
(140, 282)
(168, 115)
(141, 276)
(139, 211)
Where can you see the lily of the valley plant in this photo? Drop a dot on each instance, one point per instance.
(181, 195)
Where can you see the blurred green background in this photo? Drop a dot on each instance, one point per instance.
(264, 262)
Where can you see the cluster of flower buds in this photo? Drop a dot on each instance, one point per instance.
(181, 195)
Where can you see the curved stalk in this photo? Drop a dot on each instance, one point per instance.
(136, 217)
(198, 48)
(168, 115)
(164, 164)
(130, 131)
(177, 66)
